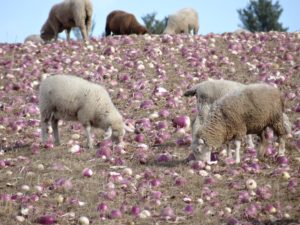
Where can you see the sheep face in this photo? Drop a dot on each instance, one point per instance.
(200, 150)
(47, 33)
(118, 132)
(142, 30)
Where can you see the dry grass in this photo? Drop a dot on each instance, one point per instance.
(25, 166)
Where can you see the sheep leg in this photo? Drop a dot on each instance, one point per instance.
(88, 24)
(56, 36)
(228, 150)
(250, 141)
(54, 124)
(68, 34)
(107, 30)
(281, 146)
(44, 127)
(81, 116)
(196, 29)
(237, 151)
(89, 136)
(263, 145)
(280, 131)
(83, 32)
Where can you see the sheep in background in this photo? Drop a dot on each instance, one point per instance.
(72, 98)
(183, 21)
(119, 22)
(65, 16)
(248, 110)
(34, 38)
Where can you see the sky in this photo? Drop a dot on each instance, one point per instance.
(20, 18)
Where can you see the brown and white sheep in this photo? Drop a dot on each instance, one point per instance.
(65, 16)
(249, 110)
(119, 22)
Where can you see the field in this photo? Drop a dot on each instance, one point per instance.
(149, 180)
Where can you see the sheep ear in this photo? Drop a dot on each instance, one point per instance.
(201, 141)
(190, 92)
(129, 129)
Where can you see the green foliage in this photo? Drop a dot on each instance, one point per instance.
(261, 15)
(77, 34)
(153, 25)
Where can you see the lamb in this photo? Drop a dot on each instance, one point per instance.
(183, 21)
(119, 22)
(72, 98)
(34, 38)
(65, 16)
(248, 110)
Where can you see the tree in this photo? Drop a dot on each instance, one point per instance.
(261, 15)
(76, 31)
(153, 25)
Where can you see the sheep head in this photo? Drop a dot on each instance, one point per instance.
(200, 149)
(142, 30)
(47, 33)
(118, 132)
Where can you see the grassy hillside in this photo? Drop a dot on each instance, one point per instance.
(146, 77)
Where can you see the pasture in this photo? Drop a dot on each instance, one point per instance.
(149, 180)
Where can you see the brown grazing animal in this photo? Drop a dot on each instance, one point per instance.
(119, 22)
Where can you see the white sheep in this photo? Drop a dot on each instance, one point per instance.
(65, 16)
(248, 110)
(207, 92)
(34, 38)
(183, 21)
(72, 98)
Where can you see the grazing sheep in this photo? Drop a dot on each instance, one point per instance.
(34, 38)
(248, 110)
(207, 92)
(183, 21)
(72, 98)
(119, 22)
(65, 16)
